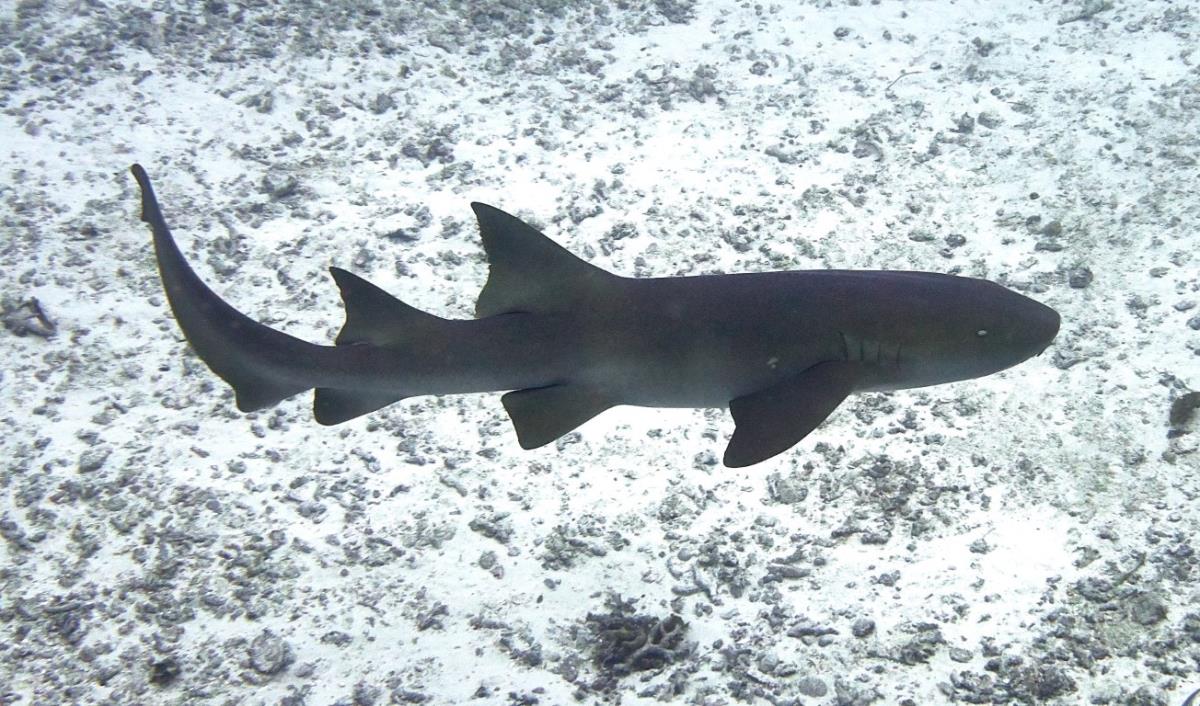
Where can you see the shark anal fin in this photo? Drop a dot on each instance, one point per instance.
(528, 271)
(254, 393)
(542, 414)
(774, 419)
(332, 406)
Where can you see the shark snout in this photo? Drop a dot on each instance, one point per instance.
(1042, 324)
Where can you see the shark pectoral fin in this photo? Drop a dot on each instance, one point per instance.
(772, 420)
(332, 406)
(542, 414)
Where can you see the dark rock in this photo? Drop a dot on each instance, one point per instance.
(806, 628)
(366, 695)
(787, 490)
(1094, 589)
(522, 648)
(677, 11)
(336, 638)
(703, 83)
(982, 47)
(989, 120)
(279, 184)
(1079, 277)
(1149, 696)
(922, 646)
(497, 526)
(888, 579)
(1183, 410)
(1147, 609)
(27, 318)
(164, 671)
(812, 686)
(382, 103)
(1042, 682)
(270, 654)
(93, 459)
(862, 627)
(626, 642)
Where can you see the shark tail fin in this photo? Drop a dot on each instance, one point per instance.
(373, 317)
(246, 354)
(528, 271)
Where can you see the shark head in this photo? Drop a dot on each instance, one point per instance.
(957, 328)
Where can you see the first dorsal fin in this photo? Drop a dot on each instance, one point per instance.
(529, 272)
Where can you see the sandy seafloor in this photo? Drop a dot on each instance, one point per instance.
(1030, 537)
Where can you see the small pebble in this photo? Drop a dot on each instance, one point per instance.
(93, 459)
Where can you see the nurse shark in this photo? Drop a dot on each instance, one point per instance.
(568, 340)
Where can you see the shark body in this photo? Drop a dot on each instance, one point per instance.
(569, 340)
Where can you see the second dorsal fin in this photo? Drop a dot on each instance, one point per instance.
(376, 317)
(529, 272)
(373, 317)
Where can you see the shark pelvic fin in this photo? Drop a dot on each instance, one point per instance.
(542, 414)
(774, 419)
(529, 272)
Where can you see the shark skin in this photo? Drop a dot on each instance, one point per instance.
(569, 340)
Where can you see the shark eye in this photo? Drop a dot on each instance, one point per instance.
(981, 332)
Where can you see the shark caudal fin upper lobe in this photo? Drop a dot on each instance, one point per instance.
(265, 366)
(251, 357)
